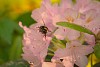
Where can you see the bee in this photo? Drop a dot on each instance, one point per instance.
(44, 30)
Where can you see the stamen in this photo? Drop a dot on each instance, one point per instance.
(70, 19)
(79, 15)
(89, 19)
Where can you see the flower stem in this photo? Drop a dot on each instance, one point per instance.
(50, 54)
(51, 50)
(91, 61)
(58, 43)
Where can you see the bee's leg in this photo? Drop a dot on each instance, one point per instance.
(48, 30)
(37, 27)
(64, 30)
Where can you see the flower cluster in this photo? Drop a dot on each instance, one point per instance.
(39, 36)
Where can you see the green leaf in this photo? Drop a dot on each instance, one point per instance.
(6, 30)
(17, 63)
(58, 43)
(26, 19)
(16, 49)
(75, 27)
(48, 58)
(97, 50)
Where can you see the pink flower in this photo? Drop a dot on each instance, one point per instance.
(65, 63)
(35, 45)
(30, 57)
(64, 5)
(92, 21)
(89, 19)
(91, 12)
(90, 39)
(85, 5)
(45, 13)
(63, 33)
(87, 11)
(74, 53)
(48, 64)
(70, 16)
(51, 64)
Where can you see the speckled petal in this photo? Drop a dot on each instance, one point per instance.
(81, 61)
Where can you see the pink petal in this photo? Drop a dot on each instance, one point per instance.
(60, 33)
(67, 63)
(48, 64)
(90, 39)
(36, 15)
(72, 34)
(60, 53)
(81, 61)
(66, 4)
(82, 5)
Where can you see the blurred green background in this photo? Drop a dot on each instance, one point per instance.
(11, 12)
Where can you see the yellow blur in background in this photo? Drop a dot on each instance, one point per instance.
(16, 7)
